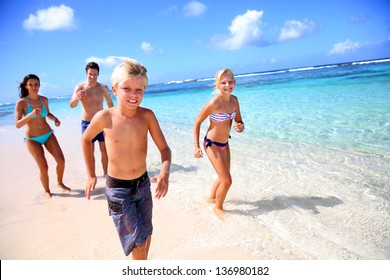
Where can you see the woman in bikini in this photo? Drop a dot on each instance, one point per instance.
(222, 109)
(31, 110)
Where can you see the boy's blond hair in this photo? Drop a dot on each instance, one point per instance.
(127, 69)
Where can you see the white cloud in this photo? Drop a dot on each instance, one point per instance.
(294, 29)
(147, 47)
(171, 9)
(53, 18)
(109, 61)
(194, 9)
(344, 47)
(245, 30)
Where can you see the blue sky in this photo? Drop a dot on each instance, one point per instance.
(178, 40)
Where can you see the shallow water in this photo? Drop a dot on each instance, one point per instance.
(310, 201)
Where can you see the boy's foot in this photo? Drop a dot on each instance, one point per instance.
(211, 200)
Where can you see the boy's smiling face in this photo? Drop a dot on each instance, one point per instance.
(130, 92)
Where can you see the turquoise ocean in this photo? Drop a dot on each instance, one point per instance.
(311, 170)
(345, 106)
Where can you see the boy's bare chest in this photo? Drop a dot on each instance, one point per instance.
(128, 130)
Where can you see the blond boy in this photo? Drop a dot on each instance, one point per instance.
(126, 127)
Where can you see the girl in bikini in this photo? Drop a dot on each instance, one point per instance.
(31, 110)
(222, 109)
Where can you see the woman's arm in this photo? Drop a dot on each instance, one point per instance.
(20, 110)
(50, 116)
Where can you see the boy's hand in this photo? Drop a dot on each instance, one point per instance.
(162, 185)
(90, 186)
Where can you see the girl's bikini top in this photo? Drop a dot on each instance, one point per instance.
(221, 117)
(29, 109)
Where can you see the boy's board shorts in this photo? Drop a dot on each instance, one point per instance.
(99, 137)
(130, 205)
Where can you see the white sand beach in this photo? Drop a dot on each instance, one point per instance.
(287, 202)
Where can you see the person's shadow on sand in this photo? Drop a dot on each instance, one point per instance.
(282, 202)
(97, 194)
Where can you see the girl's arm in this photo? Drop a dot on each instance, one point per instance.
(239, 124)
(204, 113)
(166, 155)
(95, 127)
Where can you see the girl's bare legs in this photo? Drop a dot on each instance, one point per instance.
(141, 252)
(55, 150)
(221, 163)
(213, 194)
(37, 152)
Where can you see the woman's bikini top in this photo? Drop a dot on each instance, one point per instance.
(29, 109)
(221, 117)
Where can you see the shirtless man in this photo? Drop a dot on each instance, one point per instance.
(91, 95)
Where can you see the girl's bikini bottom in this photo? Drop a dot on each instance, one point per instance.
(222, 146)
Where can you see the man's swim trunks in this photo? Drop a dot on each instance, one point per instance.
(99, 137)
(130, 205)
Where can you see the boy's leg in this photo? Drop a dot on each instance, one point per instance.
(141, 252)
(145, 207)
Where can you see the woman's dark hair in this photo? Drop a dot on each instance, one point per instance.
(22, 86)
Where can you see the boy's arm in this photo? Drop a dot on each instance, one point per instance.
(166, 156)
(95, 127)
